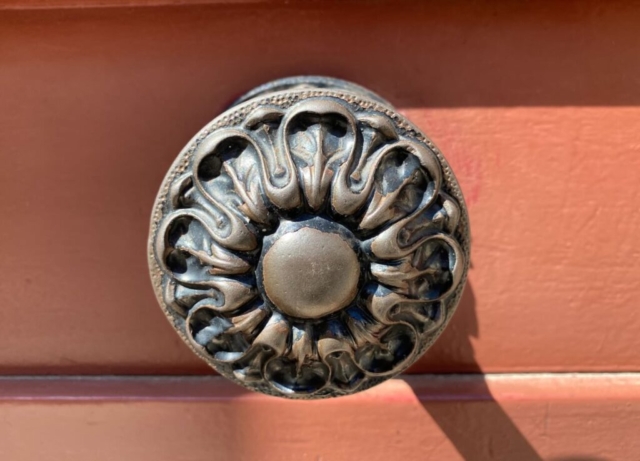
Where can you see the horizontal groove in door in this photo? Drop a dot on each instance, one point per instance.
(427, 387)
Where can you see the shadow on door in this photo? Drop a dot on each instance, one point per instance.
(494, 436)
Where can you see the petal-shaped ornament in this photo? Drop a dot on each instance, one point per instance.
(310, 242)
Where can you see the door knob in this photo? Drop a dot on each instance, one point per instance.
(310, 241)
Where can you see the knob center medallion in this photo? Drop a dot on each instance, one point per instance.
(309, 272)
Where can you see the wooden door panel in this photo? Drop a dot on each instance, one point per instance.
(536, 107)
(543, 417)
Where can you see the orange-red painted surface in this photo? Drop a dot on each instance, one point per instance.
(536, 105)
(548, 417)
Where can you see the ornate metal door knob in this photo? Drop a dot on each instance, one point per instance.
(309, 242)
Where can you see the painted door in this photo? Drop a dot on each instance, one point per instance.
(535, 105)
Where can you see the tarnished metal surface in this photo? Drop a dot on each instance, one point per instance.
(309, 242)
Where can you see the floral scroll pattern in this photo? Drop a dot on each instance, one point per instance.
(302, 158)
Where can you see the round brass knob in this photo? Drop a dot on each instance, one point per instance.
(310, 241)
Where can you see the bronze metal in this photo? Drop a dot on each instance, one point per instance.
(309, 242)
(309, 273)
